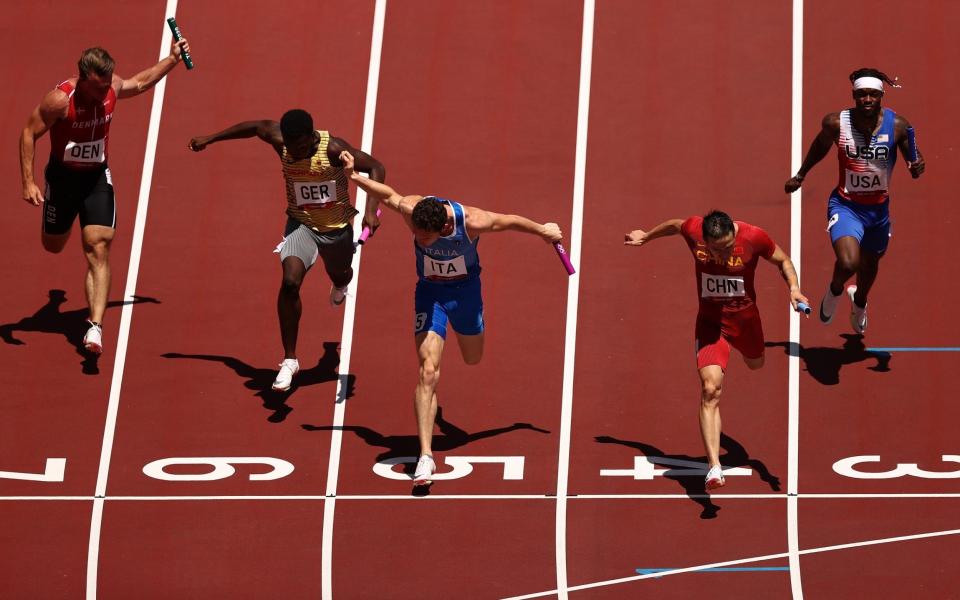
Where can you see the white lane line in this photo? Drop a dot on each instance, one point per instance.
(550, 497)
(126, 314)
(573, 291)
(740, 561)
(793, 426)
(346, 343)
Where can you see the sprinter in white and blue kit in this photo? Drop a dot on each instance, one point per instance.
(445, 235)
(867, 137)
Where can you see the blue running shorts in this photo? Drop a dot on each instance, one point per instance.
(460, 304)
(869, 224)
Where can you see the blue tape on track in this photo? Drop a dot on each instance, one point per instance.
(914, 349)
(715, 570)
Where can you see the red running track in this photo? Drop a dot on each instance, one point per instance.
(479, 103)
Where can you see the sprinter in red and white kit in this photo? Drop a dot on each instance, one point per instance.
(725, 254)
(867, 137)
(78, 113)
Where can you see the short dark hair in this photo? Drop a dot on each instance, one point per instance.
(717, 225)
(296, 123)
(96, 61)
(871, 72)
(429, 214)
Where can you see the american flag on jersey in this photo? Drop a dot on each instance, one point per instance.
(866, 165)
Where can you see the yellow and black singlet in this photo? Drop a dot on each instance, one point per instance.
(317, 193)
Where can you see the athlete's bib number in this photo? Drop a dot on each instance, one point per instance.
(721, 286)
(859, 183)
(444, 269)
(85, 152)
(317, 193)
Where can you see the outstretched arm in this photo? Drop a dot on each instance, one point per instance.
(53, 106)
(266, 130)
(829, 131)
(146, 79)
(480, 221)
(639, 237)
(789, 275)
(377, 190)
(361, 162)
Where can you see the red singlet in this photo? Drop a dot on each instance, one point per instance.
(79, 141)
(728, 311)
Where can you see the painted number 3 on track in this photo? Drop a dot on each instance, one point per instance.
(848, 468)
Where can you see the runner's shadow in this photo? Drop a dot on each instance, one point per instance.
(824, 363)
(71, 325)
(451, 438)
(736, 456)
(261, 379)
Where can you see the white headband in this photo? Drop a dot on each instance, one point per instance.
(868, 82)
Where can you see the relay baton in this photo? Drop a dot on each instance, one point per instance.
(564, 258)
(803, 307)
(366, 232)
(912, 149)
(177, 37)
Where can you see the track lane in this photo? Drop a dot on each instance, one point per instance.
(692, 124)
(207, 254)
(604, 552)
(455, 123)
(198, 376)
(208, 549)
(867, 404)
(54, 397)
(454, 119)
(434, 548)
(43, 548)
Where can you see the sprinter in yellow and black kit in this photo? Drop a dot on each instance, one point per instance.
(319, 213)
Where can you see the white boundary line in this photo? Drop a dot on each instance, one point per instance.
(126, 314)
(573, 291)
(346, 343)
(740, 561)
(793, 427)
(434, 497)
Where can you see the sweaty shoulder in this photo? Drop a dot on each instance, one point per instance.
(335, 146)
(761, 241)
(831, 122)
(407, 203)
(691, 227)
(471, 214)
(55, 103)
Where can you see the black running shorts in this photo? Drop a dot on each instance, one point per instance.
(69, 193)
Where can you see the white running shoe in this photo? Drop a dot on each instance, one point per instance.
(93, 339)
(858, 316)
(715, 478)
(338, 295)
(828, 306)
(424, 473)
(288, 368)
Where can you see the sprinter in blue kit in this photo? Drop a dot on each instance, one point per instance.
(867, 137)
(445, 235)
(448, 271)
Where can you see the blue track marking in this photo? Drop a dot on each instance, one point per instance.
(915, 349)
(715, 570)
